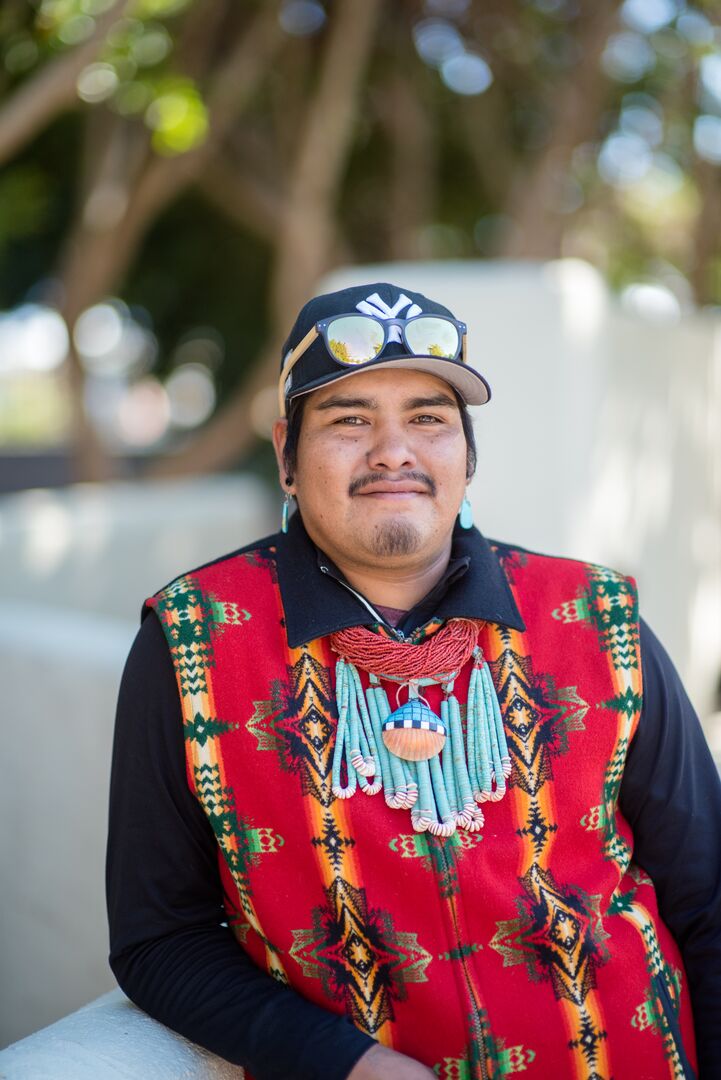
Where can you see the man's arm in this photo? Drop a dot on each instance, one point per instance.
(169, 950)
(671, 798)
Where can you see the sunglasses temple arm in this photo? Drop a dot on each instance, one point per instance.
(293, 359)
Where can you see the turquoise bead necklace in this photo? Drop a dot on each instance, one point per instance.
(435, 766)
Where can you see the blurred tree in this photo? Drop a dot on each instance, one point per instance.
(208, 161)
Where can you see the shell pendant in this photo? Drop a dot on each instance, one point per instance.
(414, 732)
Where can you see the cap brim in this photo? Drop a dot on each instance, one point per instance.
(471, 385)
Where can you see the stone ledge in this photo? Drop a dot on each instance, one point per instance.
(111, 1039)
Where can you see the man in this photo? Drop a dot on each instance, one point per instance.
(307, 886)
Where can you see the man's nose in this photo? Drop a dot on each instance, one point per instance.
(391, 449)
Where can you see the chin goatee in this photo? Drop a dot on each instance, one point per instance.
(395, 538)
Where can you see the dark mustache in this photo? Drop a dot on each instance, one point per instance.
(379, 477)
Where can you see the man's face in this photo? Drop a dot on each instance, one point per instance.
(381, 467)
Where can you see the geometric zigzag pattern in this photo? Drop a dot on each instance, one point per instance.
(358, 956)
(295, 724)
(558, 934)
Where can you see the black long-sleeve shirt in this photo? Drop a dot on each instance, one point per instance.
(173, 955)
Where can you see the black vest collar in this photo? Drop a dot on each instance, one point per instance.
(316, 604)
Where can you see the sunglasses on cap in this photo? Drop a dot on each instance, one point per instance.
(358, 339)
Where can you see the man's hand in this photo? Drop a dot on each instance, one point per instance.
(380, 1063)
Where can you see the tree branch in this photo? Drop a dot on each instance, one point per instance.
(706, 232)
(113, 220)
(307, 238)
(100, 249)
(484, 124)
(52, 90)
(412, 165)
(230, 91)
(574, 111)
(244, 200)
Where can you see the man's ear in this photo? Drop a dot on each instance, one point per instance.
(280, 433)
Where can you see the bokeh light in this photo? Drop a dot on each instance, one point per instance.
(451, 8)
(651, 300)
(695, 27)
(178, 118)
(150, 47)
(75, 30)
(437, 41)
(710, 79)
(661, 198)
(624, 159)
(466, 73)
(628, 57)
(97, 82)
(156, 9)
(191, 395)
(133, 97)
(33, 337)
(202, 345)
(144, 413)
(110, 342)
(707, 138)
(648, 16)
(301, 18)
(642, 115)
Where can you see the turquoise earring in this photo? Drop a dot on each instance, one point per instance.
(465, 514)
(286, 512)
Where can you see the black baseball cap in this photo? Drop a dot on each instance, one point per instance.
(317, 366)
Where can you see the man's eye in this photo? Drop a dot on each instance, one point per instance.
(426, 418)
(353, 420)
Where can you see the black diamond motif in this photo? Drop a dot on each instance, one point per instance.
(564, 930)
(358, 955)
(316, 729)
(521, 716)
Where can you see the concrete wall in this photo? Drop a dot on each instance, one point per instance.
(75, 566)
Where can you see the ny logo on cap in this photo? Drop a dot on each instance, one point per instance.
(373, 305)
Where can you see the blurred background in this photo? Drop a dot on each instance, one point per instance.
(177, 177)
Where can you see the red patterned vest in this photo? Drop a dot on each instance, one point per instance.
(534, 946)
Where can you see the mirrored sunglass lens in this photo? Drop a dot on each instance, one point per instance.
(354, 339)
(433, 337)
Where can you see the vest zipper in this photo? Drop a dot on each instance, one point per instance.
(476, 1021)
(478, 1033)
